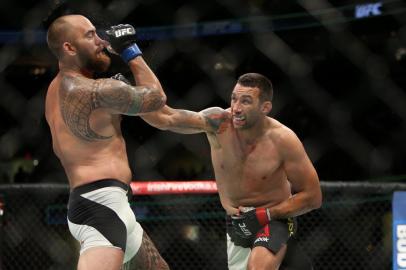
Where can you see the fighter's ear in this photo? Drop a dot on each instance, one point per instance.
(68, 48)
(266, 107)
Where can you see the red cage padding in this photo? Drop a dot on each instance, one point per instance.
(173, 187)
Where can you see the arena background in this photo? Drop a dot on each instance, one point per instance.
(338, 69)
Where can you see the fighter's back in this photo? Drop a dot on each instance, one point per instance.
(87, 140)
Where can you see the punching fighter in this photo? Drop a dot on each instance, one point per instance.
(264, 177)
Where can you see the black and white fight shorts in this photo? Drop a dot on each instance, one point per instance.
(99, 215)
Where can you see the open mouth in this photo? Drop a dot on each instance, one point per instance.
(102, 52)
(239, 120)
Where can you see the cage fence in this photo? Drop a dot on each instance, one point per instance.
(338, 71)
(352, 230)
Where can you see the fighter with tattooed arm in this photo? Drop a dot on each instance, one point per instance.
(84, 117)
(264, 176)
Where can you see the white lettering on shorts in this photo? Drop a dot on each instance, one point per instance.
(244, 229)
(261, 239)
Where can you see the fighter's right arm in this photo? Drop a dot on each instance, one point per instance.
(82, 96)
(119, 97)
(122, 39)
(211, 120)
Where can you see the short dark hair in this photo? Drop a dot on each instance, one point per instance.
(259, 81)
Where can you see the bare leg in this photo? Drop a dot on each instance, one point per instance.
(101, 258)
(147, 257)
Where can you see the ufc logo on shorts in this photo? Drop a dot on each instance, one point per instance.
(124, 31)
(244, 229)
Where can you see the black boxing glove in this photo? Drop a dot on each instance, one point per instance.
(248, 223)
(121, 77)
(122, 39)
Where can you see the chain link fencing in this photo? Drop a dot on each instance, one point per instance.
(338, 68)
(352, 230)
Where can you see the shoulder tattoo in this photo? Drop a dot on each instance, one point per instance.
(76, 108)
(127, 99)
(88, 95)
(217, 119)
(105, 95)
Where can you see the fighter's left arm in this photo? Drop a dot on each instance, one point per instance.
(304, 182)
(302, 176)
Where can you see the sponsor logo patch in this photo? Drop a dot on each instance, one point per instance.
(261, 239)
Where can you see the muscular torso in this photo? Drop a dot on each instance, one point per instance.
(249, 173)
(87, 140)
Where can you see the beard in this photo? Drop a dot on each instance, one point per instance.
(245, 126)
(97, 63)
(251, 120)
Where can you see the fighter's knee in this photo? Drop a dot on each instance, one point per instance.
(262, 265)
(263, 259)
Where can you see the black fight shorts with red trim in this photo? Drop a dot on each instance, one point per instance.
(272, 236)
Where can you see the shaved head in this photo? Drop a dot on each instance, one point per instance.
(74, 41)
(60, 31)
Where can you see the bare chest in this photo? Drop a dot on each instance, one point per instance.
(250, 174)
(257, 160)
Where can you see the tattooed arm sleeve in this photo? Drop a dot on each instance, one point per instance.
(126, 99)
(211, 120)
(79, 97)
